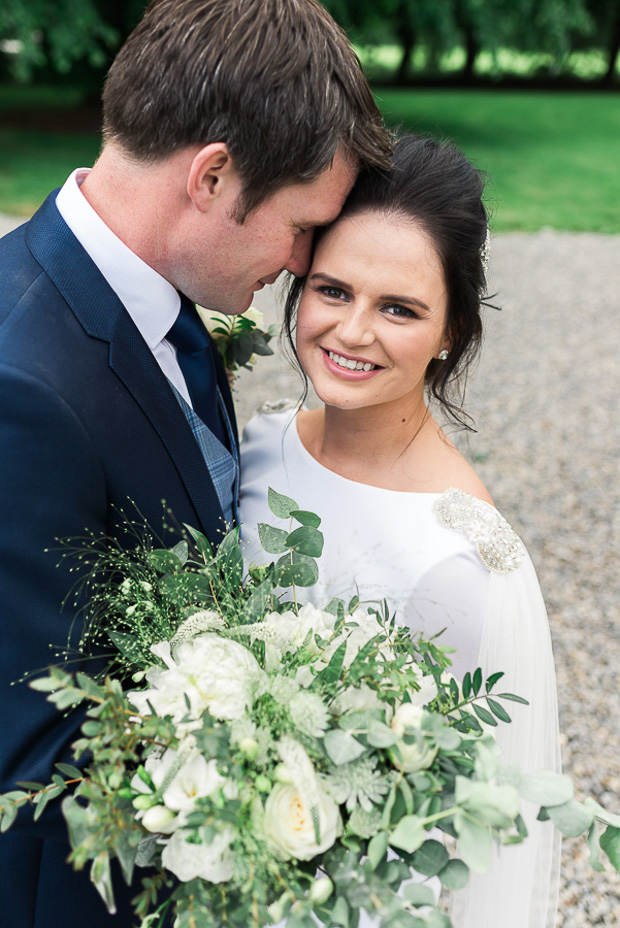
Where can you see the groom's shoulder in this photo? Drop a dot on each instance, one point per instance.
(21, 272)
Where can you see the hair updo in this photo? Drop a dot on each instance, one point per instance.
(434, 186)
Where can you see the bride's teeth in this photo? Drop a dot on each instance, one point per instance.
(349, 363)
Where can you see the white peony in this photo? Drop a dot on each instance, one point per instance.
(210, 861)
(211, 672)
(419, 754)
(289, 828)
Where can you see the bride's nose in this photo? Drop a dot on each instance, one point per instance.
(355, 327)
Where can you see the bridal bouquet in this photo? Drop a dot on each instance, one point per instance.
(269, 762)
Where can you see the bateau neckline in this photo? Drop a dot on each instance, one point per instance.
(305, 455)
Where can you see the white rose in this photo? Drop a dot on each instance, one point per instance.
(411, 757)
(289, 828)
(212, 862)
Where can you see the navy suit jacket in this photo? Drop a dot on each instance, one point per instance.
(89, 429)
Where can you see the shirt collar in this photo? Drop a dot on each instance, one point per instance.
(151, 301)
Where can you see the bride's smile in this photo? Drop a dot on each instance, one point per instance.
(373, 312)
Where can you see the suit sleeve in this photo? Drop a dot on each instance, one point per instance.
(51, 487)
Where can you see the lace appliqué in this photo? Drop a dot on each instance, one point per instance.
(498, 545)
(271, 406)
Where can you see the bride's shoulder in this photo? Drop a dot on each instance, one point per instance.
(498, 545)
(451, 469)
(269, 419)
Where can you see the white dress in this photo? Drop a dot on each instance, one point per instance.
(442, 561)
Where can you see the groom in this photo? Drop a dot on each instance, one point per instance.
(231, 130)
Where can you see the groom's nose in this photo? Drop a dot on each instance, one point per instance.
(299, 261)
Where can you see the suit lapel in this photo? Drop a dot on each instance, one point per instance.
(103, 316)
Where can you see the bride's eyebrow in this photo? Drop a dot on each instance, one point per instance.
(331, 281)
(406, 300)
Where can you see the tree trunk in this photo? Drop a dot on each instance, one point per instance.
(471, 48)
(613, 52)
(407, 43)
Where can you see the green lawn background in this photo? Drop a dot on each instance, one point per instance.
(553, 158)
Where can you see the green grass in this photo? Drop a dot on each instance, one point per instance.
(553, 159)
(32, 163)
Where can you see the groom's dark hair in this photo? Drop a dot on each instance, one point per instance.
(276, 80)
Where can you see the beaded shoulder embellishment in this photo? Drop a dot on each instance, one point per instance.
(272, 406)
(498, 544)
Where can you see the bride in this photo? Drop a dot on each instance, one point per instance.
(388, 317)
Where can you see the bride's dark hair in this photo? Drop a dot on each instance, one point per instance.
(434, 186)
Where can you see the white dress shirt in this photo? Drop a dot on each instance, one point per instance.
(151, 301)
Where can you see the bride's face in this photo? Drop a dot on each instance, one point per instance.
(373, 312)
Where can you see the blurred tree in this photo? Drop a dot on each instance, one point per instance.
(475, 25)
(59, 34)
(605, 15)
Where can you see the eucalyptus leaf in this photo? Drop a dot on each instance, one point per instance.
(610, 843)
(377, 847)
(572, 818)
(545, 788)
(273, 540)
(408, 834)
(418, 894)
(454, 875)
(306, 540)
(431, 858)
(380, 735)
(306, 518)
(595, 847)
(475, 843)
(342, 747)
(296, 570)
(281, 506)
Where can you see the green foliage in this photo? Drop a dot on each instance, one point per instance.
(60, 34)
(389, 784)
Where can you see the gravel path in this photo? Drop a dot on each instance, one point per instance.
(546, 399)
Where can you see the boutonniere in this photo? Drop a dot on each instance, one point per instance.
(239, 339)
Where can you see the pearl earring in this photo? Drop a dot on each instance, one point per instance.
(443, 355)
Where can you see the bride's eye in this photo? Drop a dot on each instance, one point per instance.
(332, 293)
(398, 311)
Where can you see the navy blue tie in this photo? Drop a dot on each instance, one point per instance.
(194, 354)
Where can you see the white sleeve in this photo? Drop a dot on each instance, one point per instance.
(450, 598)
(522, 889)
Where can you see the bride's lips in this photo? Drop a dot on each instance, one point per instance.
(341, 364)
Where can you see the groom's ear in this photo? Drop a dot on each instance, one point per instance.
(211, 175)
